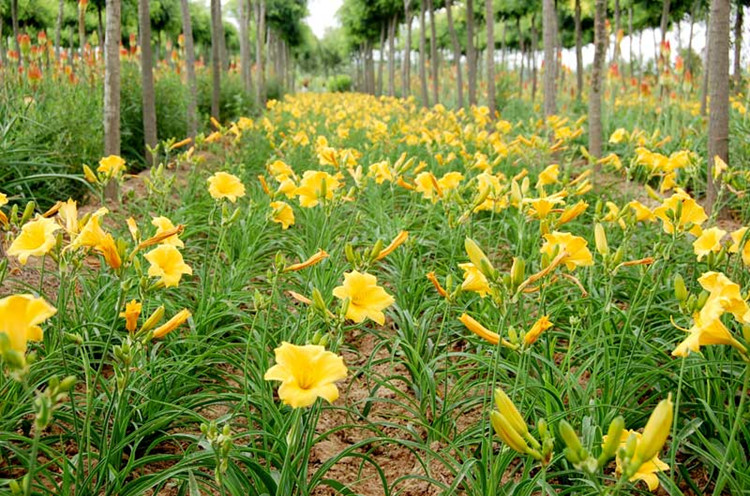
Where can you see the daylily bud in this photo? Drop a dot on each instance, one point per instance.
(349, 252)
(507, 433)
(746, 332)
(478, 258)
(570, 437)
(376, 249)
(28, 212)
(619, 255)
(680, 291)
(318, 301)
(614, 433)
(517, 271)
(656, 431)
(154, 319)
(600, 237)
(506, 407)
(702, 298)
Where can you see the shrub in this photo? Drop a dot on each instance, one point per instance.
(340, 83)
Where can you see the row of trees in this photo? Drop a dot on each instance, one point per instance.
(468, 27)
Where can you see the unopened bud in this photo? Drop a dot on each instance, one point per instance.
(680, 291)
(600, 238)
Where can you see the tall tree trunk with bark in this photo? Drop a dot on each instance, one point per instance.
(100, 25)
(247, 78)
(216, 33)
(406, 79)
(147, 80)
(523, 55)
(58, 28)
(112, 86)
(16, 32)
(260, 29)
(192, 103)
(423, 53)
(489, 15)
(689, 61)
(738, 47)
(532, 58)
(392, 55)
(706, 61)
(82, 4)
(595, 97)
(616, 51)
(550, 56)
(471, 57)
(381, 62)
(434, 66)
(456, 51)
(718, 120)
(3, 55)
(630, 40)
(579, 51)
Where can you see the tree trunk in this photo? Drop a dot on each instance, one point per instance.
(532, 58)
(550, 56)
(489, 15)
(406, 82)
(392, 56)
(100, 25)
(369, 67)
(215, 57)
(738, 47)
(14, 23)
(579, 51)
(689, 61)
(192, 105)
(503, 45)
(381, 62)
(3, 55)
(434, 66)
(112, 87)
(247, 80)
(81, 27)
(595, 97)
(718, 120)
(706, 61)
(456, 51)
(616, 51)
(423, 54)
(260, 29)
(471, 58)
(223, 55)
(147, 80)
(58, 29)
(523, 56)
(630, 39)
(664, 24)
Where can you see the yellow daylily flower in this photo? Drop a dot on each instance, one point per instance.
(163, 225)
(541, 325)
(172, 324)
(306, 373)
(474, 280)
(548, 175)
(282, 214)
(112, 165)
(20, 316)
(576, 252)
(167, 264)
(709, 241)
(381, 172)
(366, 298)
(691, 214)
(68, 214)
(37, 238)
(642, 212)
(131, 314)
(648, 470)
(737, 245)
(315, 186)
(224, 185)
